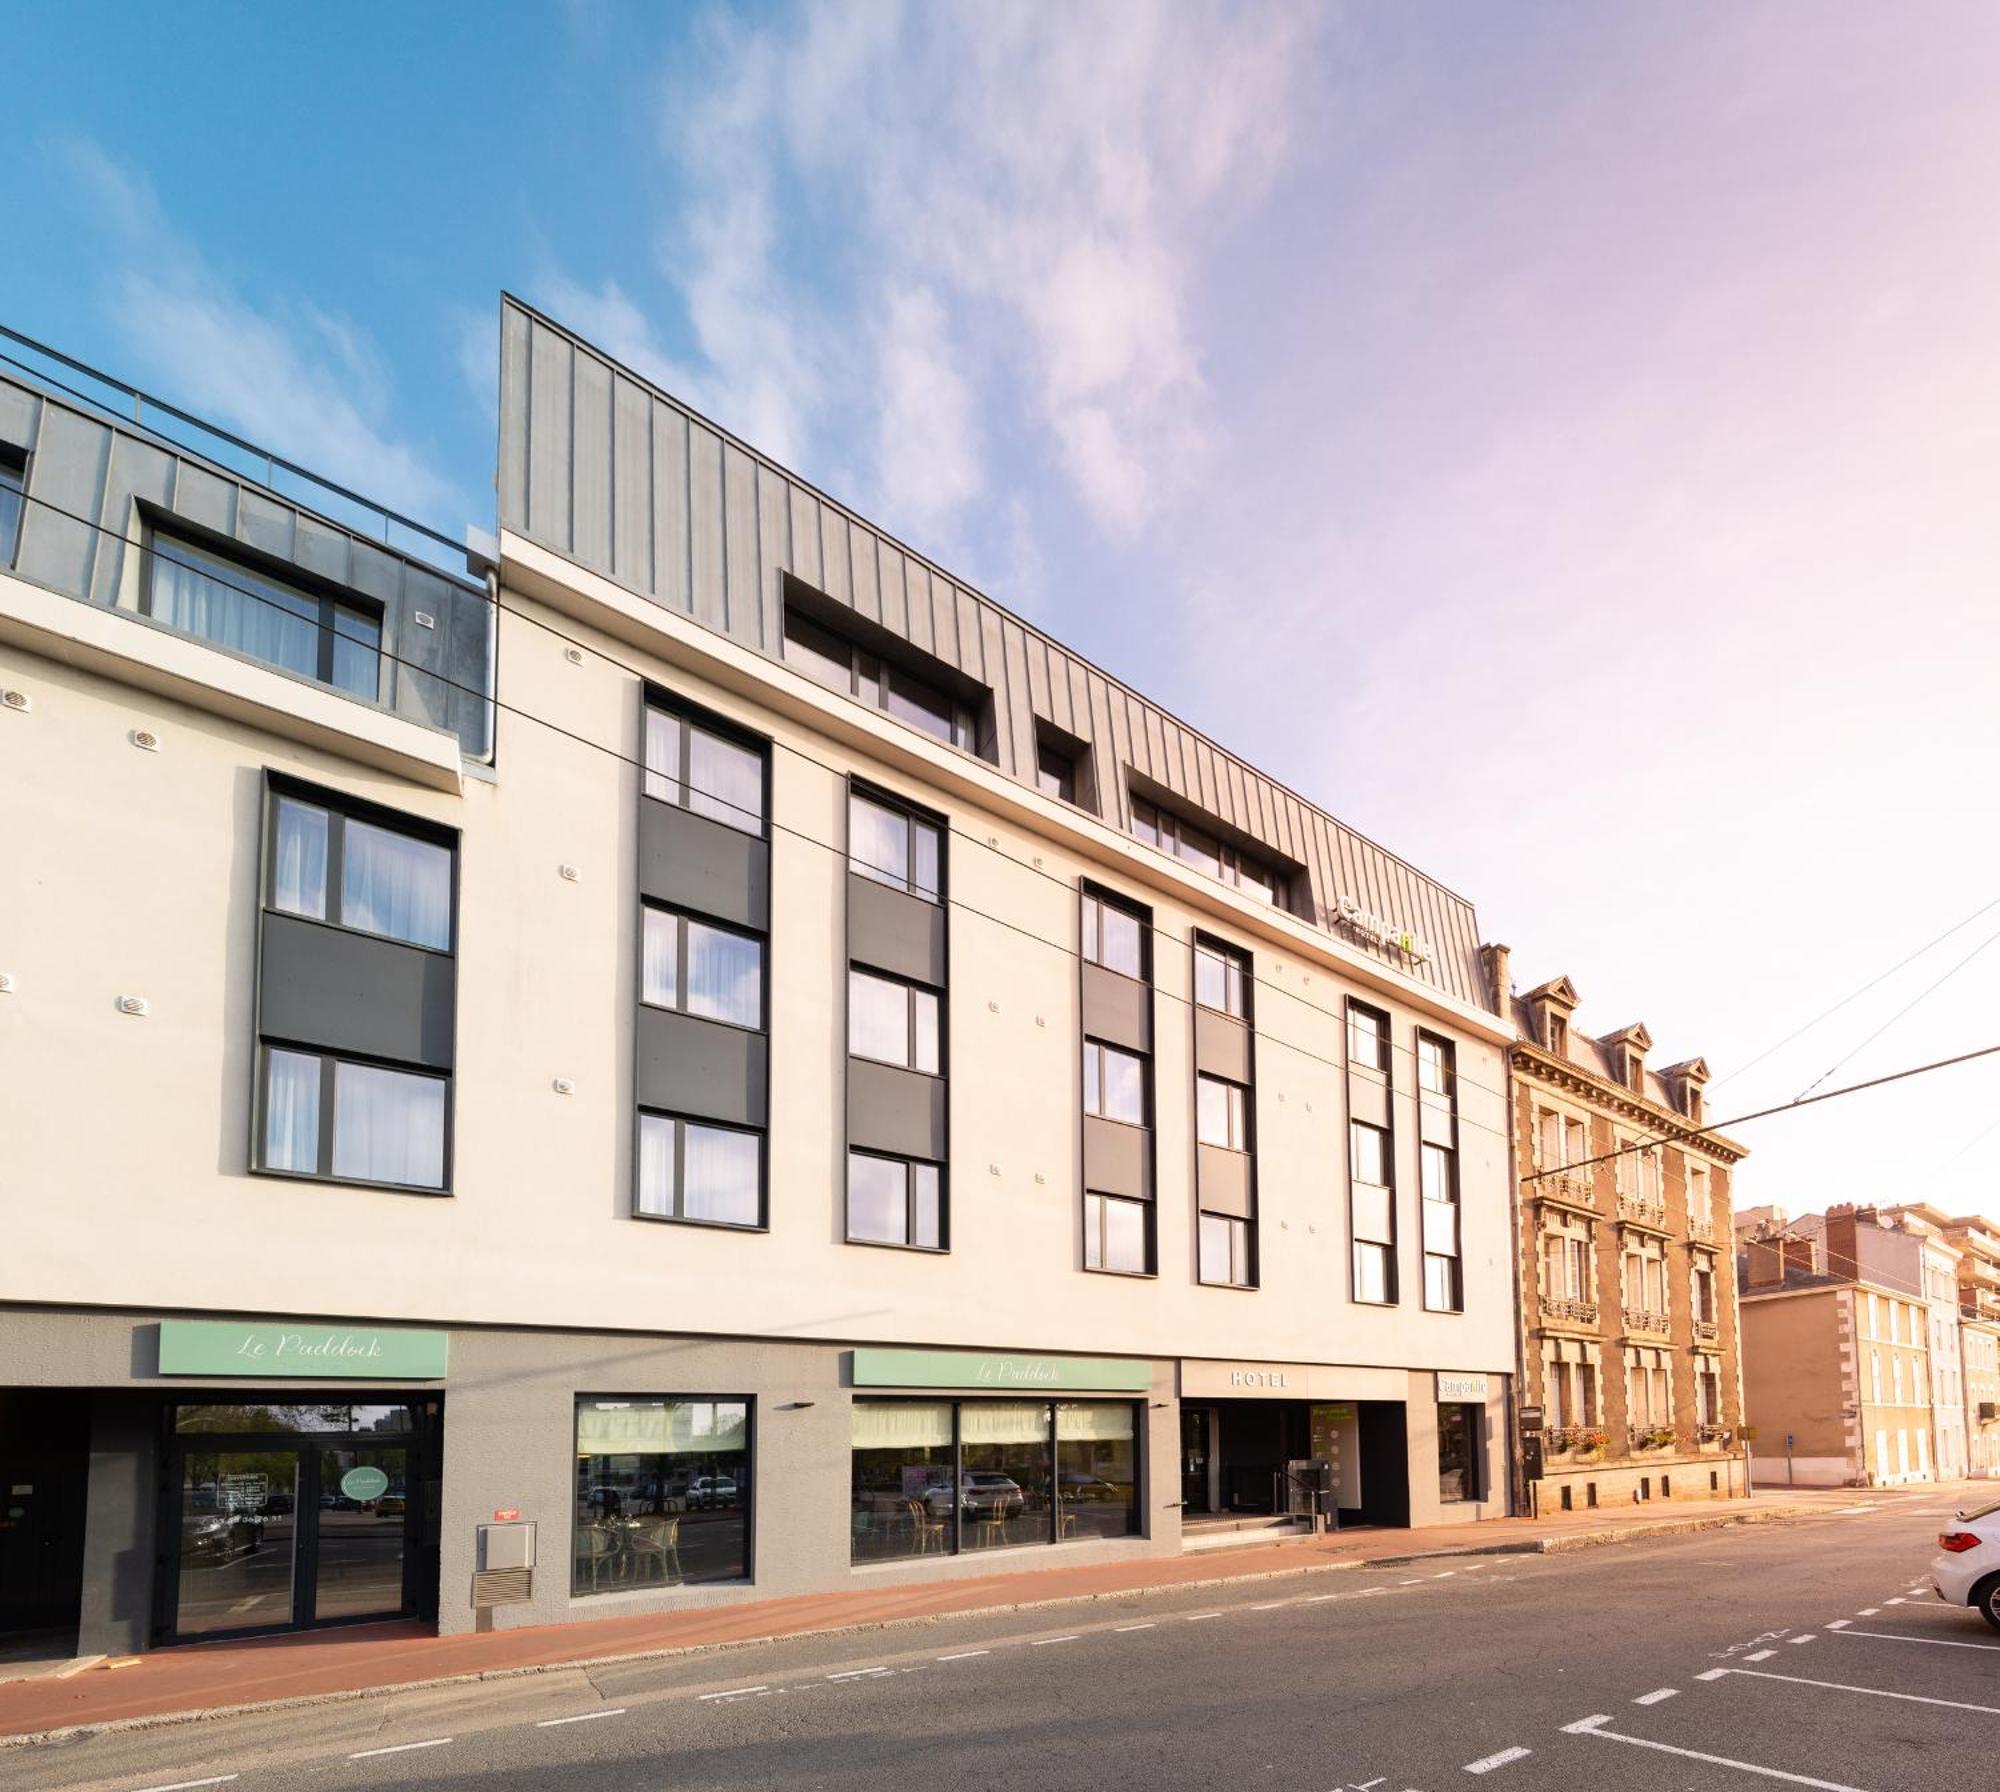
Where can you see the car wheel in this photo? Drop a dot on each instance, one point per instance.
(1986, 1599)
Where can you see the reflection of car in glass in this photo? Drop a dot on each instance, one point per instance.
(1076, 1486)
(212, 1536)
(706, 1491)
(390, 1505)
(984, 1494)
(278, 1505)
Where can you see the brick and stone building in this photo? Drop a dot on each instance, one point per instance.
(1628, 1314)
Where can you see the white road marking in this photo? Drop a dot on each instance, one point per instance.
(1446, 1575)
(734, 1692)
(1197, 1617)
(1474, 1567)
(852, 1674)
(1414, 1581)
(1842, 1511)
(965, 1654)
(1840, 1623)
(1591, 1726)
(1660, 1696)
(1873, 1692)
(1868, 1611)
(1321, 1598)
(1936, 1642)
(1808, 1637)
(1499, 1760)
(1148, 1625)
(1761, 1655)
(1366, 1784)
(1042, 1642)
(400, 1748)
(1273, 1606)
(582, 1717)
(221, 1779)
(1892, 1602)
(1712, 1674)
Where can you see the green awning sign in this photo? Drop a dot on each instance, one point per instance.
(998, 1371)
(283, 1352)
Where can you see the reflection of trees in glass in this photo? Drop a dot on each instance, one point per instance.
(264, 1416)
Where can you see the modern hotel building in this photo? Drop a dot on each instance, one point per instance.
(686, 1056)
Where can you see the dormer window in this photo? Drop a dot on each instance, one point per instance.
(1558, 1034)
(1196, 846)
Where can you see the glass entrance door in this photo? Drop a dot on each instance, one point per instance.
(363, 1519)
(1195, 1445)
(239, 1522)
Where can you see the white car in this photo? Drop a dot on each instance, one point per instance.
(1966, 1570)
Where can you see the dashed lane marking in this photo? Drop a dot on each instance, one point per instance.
(1808, 1637)
(965, 1654)
(1414, 1581)
(1843, 1511)
(1868, 1611)
(1446, 1574)
(1594, 1726)
(1840, 1623)
(1659, 1696)
(582, 1717)
(1873, 1692)
(859, 1674)
(1197, 1617)
(220, 1779)
(734, 1692)
(1897, 1601)
(1936, 1642)
(1042, 1642)
(1500, 1760)
(399, 1748)
(1761, 1655)
(1271, 1607)
(1148, 1625)
(1712, 1674)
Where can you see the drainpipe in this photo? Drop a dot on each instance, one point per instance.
(1497, 960)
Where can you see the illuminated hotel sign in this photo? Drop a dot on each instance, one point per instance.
(1380, 931)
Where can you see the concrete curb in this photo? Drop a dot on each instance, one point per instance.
(1608, 1535)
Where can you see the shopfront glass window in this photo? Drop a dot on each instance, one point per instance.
(903, 1480)
(1004, 1491)
(238, 1536)
(662, 1493)
(1097, 1470)
(1458, 1451)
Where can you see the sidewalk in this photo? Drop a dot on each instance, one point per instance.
(202, 1679)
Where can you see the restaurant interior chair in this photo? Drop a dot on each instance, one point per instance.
(657, 1540)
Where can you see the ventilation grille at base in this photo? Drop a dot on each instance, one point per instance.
(502, 1586)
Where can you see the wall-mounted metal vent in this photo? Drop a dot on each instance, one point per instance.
(19, 700)
(145, 740)
(502, 1586)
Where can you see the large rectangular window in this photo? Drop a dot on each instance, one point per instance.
(839, 665)
(1437, 1164)
(662, 1493)
(894, 847)
(937, 1477)
(1221, 978)
(1196, 846)
(696, 765)
(1372, 1211)
(698, 968)
(1114, 1083)
(330, 865)
(1117, 1235)
(250, 612)
(695, 1170)
(894, 1200)
(352, 1121)
(1114, 936)
(1224, 1251)
(892, 1022)
(1222, 1113)
(1367, 1038)
(1460, 1428)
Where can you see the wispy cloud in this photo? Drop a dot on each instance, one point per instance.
(283, 372)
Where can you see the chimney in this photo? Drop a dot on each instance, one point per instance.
(1841, 1249)
(1764, 1262)
(1498, 961)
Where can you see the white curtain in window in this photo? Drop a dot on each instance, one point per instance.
(719, 1178)
(291, 1112)
(1003, 1422)
(725, 975)
(725, 781)
(663, 756)
(394, 885)
(274, 625)
(902, 1424)
(656, 1166)
(1099, 1421)
(878, 842)
(661, 1427)
(298, 863)
(388, 1126)
(878, 1018)
(660, 959)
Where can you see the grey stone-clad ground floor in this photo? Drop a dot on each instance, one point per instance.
(174, 1476)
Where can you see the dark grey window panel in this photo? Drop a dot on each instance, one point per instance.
(1223, 1180)
(898, 1111)
(352, 992)
(1117, 1159)
(704, 866)
(1221, 1045)
(1367, 1098)
(702, 1068)
(1117, 1009)
(891, 930)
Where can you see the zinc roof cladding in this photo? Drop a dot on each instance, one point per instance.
(611, 472)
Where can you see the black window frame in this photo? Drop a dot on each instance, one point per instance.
(911, 1008)
(1150, 1247)
(691, 716)
(1384, 1037)
(1237, 1101)
(323, 1172)
(907, 1242)
(1391, 1247)
(867, 667)
(14, 478)
(1095, 895)
(681, 1122)
(1472, 1417)
(912, 817)
(683, 917)
(1240, 1229)
(328, 598)
(1167, 830)
(1231, 958)
(341, 809)
(1144, 1062)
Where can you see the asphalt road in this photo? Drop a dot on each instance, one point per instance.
(1807, 1653)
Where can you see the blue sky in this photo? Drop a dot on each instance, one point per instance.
(1561, 439)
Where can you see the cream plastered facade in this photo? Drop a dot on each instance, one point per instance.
(135, 873)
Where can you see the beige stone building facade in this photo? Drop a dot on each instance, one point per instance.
(1629, 1331)
(682, 1055)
